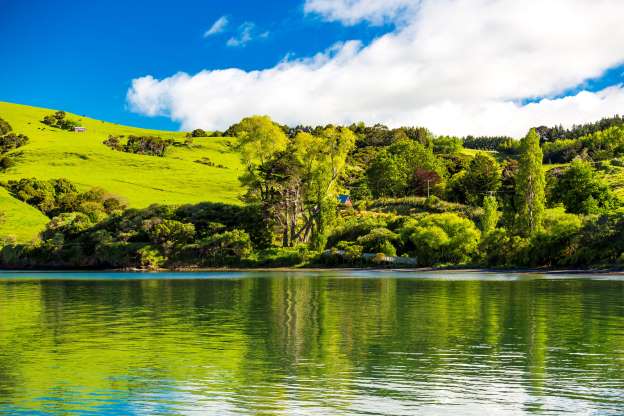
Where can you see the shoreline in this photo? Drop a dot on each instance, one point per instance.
(613, 271)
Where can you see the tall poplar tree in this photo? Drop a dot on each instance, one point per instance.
(530, 184)
(490, 217)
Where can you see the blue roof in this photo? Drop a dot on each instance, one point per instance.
(343, 199)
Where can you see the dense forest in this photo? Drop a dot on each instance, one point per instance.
(352, 196)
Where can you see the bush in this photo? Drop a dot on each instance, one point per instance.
(58, 120)
(5, 127)
(58, 196)
(12, 141)
(142, 145)
(68, 224)
(379, 240)
(441, 238)
(6, 163)
(150, 258)
(581, 191)
(199, 133)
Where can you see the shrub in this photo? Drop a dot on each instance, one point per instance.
(58, 120)
(6, 162)
(199, 133)
(581, 191)
(12, 141)
(379, 240)
(142, 145)
(5, 127)
(441, 238)
(150, 258)
(68, 224)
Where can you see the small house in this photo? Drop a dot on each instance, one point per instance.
(345, 200)
(80, 129)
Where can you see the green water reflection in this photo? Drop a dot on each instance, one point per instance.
(310, 344)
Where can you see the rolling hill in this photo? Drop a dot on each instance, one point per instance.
(140, 180)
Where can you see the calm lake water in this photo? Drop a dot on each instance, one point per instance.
(330, 343)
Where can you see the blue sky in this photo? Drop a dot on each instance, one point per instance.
(82, 55)
(457, 67)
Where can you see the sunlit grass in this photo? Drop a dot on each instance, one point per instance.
(138, 179)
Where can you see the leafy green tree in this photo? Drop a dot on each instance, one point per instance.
(483, 176)
(151, 258)
(386, 175)
(398, 170)
(441, 238)
(530, 184)
(581, 191)
(322, 158)
(68, 224)
(235, 243)
(199, 133)
(447, 144)
(259, 138)
(490, 217)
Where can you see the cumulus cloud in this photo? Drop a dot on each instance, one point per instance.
(455, 66)
(217, 27)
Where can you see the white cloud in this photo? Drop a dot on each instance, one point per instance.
(217, 27)
(351, 12)
(244, 35)
(455, 66)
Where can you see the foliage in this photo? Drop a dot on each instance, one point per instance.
(482, 177)
(379, 240)
(380, 135)
(58, 120)
(549, 134)
(58, 196)
(291, 178)
(530, 185)
(12, 141)
(403, 169)
(199, 133)
(295, 181)
(447, 145)
(581, 191)
(441, 238)
(598, 145)
(490, 217)
(5, 127)
(141, 145)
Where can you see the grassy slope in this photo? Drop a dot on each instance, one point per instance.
(20, 220)
(140, 180)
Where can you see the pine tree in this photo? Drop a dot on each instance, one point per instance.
(530, 184)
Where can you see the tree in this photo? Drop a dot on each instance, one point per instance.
(581, 191)
(398, 170)
(483, 176)
(490, 217)
(323, 158)
(441, 238)
(199, 133)
(379, 240)
(259, 138)
(530, 184)
(386, 176)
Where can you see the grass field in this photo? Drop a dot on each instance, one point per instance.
(19, 221)
(139, 179)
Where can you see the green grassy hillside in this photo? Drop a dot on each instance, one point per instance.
(19, 220)
(140, 180)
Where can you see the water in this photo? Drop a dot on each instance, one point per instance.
(331, 343)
